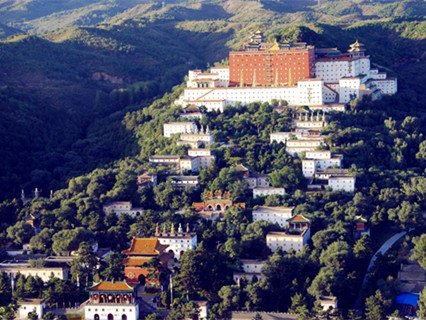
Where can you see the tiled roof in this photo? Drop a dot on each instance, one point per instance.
(145, 246)
(136, 261)
(298, 218)
(112, 286)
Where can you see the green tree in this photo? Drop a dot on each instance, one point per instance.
(422, 305)
(153, 316)
(286, 177)
(115, 267)
(376, 307)
(66, 241)
(5, 289)
(32, 287)
(48, 316)
(8, 312)
(84, 266)
(299, 306)
(408, 214)
(362, 248)
(19, 292)
(230, 297)
(20, 233)
(32, 315)
(419, 250)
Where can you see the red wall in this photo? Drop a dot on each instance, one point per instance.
(299, 61)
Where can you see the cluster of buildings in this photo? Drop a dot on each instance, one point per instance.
(305, 134)
(188, 133)
(295, 72)
(320, 167)
(300, 74)
(258, 183)
(196, 159)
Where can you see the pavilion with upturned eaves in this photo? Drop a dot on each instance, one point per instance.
(112, 301)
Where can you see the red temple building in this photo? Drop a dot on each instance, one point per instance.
(142, 251)
(262, 63)
(215, 204)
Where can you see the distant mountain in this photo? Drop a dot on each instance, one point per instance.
(38, 16)
(6, 31)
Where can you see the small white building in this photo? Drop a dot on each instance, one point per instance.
(30, 305)
(203, 308)
(251, 269)
(310, 121)
(344, 183)
(206, 161)
(328, 302)
(191, 164)
(278, 215)
(178, 242)
(112, 300)
(256, 180)
(164, 160)
(295, 237)
(295, 146)
(199, 152)
(267, 191)
(319, 160)
(184, 181)
(12, 269)
(203, 135)
(122, 207)
(178, 127)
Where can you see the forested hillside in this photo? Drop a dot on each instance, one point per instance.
(82, 108)
(140, 52)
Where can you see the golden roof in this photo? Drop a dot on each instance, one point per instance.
(275, 47)
(356, 47)
(240, 167)
(136, 261)
(112, 286)
(360, 219)
(145, 246)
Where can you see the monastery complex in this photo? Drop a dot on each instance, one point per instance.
(292, 71)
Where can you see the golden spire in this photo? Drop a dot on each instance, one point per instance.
(172, 230)
(254, 78)
(157, 230)
(241, 79)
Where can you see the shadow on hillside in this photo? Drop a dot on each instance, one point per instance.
(289, 6)
(205, 12)
(61, 75)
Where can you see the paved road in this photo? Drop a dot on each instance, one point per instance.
(383, 249)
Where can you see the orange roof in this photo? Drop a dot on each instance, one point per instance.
(145, 247)
(112, 286)
(298, 218)
(136, 261)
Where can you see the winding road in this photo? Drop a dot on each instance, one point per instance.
(383, 249)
